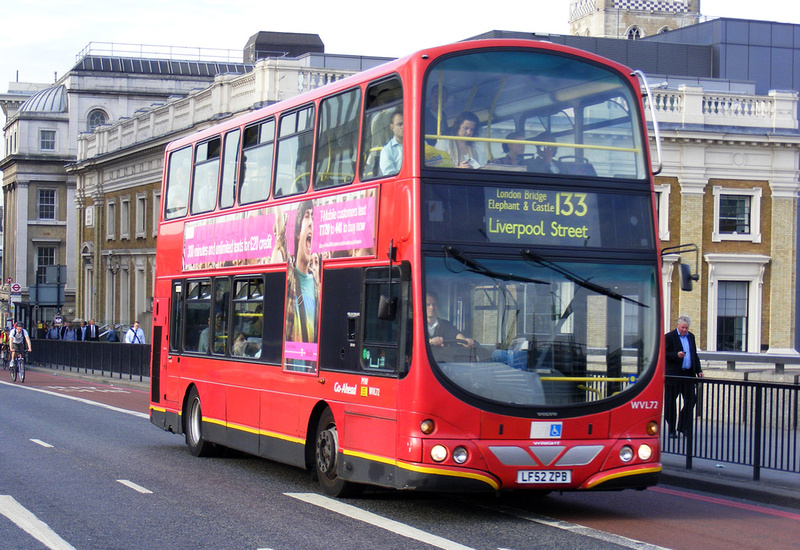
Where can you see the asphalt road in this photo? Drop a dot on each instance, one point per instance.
(82, 467)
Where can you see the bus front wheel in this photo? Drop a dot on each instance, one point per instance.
(198, 446)
(327, 460)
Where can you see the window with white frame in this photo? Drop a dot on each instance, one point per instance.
(735, 283)
(47, 140)
(125, 218)
(46, 204)
(662, 205)
(732, 308)
(141, 215)
(111, 219)
(737, 214)
(97, 117)
(45, 256)
(156, 206)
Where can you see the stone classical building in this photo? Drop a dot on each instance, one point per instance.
(41, 138)
(118, 174)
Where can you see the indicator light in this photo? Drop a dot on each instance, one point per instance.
(427, 426)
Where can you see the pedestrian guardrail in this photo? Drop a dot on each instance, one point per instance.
(131, 361)
(740, 422)
(733, 357)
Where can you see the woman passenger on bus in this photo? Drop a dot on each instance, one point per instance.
(463, 153)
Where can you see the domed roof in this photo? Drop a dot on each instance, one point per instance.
(49, 100)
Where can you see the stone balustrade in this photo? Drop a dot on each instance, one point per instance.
(691, 105)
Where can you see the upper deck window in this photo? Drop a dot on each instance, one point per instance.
(337, 142)
(383, 118)
(206, 173)
(532, 111)
(180, 166)
(257, 151)
(295, 142)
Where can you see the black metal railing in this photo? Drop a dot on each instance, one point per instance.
(749, 423)
(111, 359)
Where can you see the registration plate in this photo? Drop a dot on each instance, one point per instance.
(544, 476)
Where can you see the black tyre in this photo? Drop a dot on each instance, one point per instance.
(193, 427)
(22, 371)
(327, 460)
(13, 368)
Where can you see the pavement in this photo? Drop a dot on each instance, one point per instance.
(724, 479)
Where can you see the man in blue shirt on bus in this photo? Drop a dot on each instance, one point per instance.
(392, 153)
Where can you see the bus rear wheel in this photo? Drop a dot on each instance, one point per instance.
(193, 429)
(327, 460)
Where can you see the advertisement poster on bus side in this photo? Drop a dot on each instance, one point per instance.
(344, 226)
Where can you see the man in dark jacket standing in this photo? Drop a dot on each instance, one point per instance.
(681, 360)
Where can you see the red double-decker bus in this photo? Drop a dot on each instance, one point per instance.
(438, 274)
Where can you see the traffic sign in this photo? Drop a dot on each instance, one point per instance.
(16, 287)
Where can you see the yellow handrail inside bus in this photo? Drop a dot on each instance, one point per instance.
(542, 143)
(585, 379)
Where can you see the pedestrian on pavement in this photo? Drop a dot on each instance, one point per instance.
(111, 335)
(681, 360)
(92, 333)
(68, 332)
(53, 332)
(135, 335)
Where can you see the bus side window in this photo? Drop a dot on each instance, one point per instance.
(206, 175)
(337, 142)
(259, 142)
(248, 317)
(180, 166)
(383, 338)
(176, 317)
(222, 293)
(382, 99)
(295, 141)
(198, 310)
(230, 164)
(274, 307)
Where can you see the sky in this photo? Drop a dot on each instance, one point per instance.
(41, 39)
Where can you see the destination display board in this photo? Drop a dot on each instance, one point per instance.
(537, 216)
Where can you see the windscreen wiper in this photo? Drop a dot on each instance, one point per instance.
(475, 267)
(532, 256)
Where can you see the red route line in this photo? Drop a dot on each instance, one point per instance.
(730, 503)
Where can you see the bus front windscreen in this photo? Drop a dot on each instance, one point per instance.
(530, 331)
(535, 111)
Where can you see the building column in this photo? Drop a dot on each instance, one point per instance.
(783, 274)
(692, 223)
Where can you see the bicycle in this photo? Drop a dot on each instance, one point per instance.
(18, 367)
(5, 355)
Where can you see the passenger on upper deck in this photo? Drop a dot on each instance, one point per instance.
(545, 161)
(392, 153)
(513, 151)
(463, 153)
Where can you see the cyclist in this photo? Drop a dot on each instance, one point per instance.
(20, 341)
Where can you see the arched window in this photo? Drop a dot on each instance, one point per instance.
(96, 118)
(634, 33)
(663, 29)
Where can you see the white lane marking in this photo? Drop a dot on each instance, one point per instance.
(581, 530)
(135, 487)
(42, 443)
(79, 400)
(379, 521)
(32, 525)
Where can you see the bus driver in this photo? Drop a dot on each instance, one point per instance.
(441, 332)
